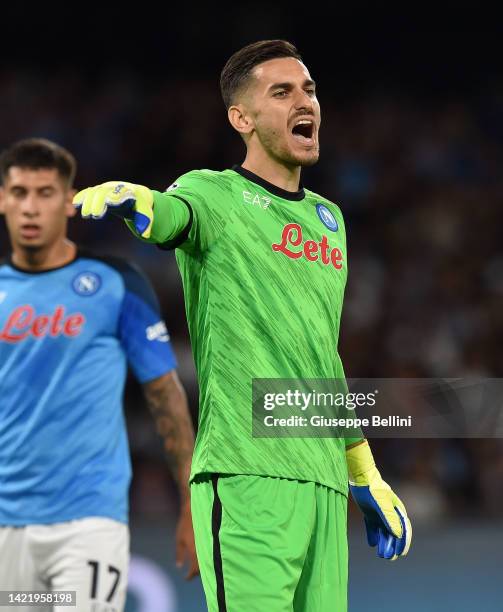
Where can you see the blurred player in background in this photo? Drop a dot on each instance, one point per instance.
(264, 265)
(69, 323)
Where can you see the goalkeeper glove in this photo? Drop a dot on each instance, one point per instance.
(132, 202)
(388, 526)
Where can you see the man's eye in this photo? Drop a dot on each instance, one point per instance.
(310, 92)
(280, 94)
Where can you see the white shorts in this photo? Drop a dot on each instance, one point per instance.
(90, 556)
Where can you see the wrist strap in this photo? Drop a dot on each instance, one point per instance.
(360, 461)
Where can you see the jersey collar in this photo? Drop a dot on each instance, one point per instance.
(9, 262)
(275, 190)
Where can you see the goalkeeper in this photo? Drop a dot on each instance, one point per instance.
(264, 264)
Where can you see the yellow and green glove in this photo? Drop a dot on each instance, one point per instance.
(388, 526)
(132, 202)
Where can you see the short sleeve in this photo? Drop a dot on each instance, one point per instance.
(142, 331)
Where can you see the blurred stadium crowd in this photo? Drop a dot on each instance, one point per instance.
(420, 184)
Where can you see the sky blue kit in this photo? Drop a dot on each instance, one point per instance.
(66, 336)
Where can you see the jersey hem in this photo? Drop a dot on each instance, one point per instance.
(335, 485)
(64, 518)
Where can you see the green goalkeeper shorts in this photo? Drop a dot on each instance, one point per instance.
(270, 544)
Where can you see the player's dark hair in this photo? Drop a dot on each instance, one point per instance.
(37, 153)
(239, 67)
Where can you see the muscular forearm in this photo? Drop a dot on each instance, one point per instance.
(167, 402)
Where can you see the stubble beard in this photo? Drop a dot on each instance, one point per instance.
(278, 149)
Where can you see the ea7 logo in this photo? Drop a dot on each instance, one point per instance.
(258, 200)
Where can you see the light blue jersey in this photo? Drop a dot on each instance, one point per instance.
(66, 336)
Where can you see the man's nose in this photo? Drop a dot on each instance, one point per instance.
(30, 206)
(303, 101)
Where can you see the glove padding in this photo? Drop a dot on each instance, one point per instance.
(132, 202)
(386, 521)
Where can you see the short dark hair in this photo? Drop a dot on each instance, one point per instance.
(36, 153)
(239, 67)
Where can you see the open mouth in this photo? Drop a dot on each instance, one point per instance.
(303, 131)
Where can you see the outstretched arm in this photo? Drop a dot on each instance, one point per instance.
(191, 214)
(168, 404)
(151, 215)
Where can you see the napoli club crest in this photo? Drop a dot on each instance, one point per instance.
(86, 283)
(327, 218)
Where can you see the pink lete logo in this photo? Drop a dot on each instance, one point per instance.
(22, 323)
(311, 250)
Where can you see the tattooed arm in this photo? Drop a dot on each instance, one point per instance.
(168, 404)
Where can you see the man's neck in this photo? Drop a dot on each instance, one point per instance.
(281, 175)
(45, 258)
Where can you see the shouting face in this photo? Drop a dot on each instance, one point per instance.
(279, 113)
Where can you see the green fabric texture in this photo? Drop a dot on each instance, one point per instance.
(264, 281)
(283, 544)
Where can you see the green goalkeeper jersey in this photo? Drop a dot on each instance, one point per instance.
(264, 272)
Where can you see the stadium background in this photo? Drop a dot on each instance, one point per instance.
(412, 149)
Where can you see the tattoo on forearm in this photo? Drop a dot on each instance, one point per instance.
(168, 405)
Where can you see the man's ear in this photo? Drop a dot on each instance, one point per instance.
(2, 200)
(240, 119)
(70, 209)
